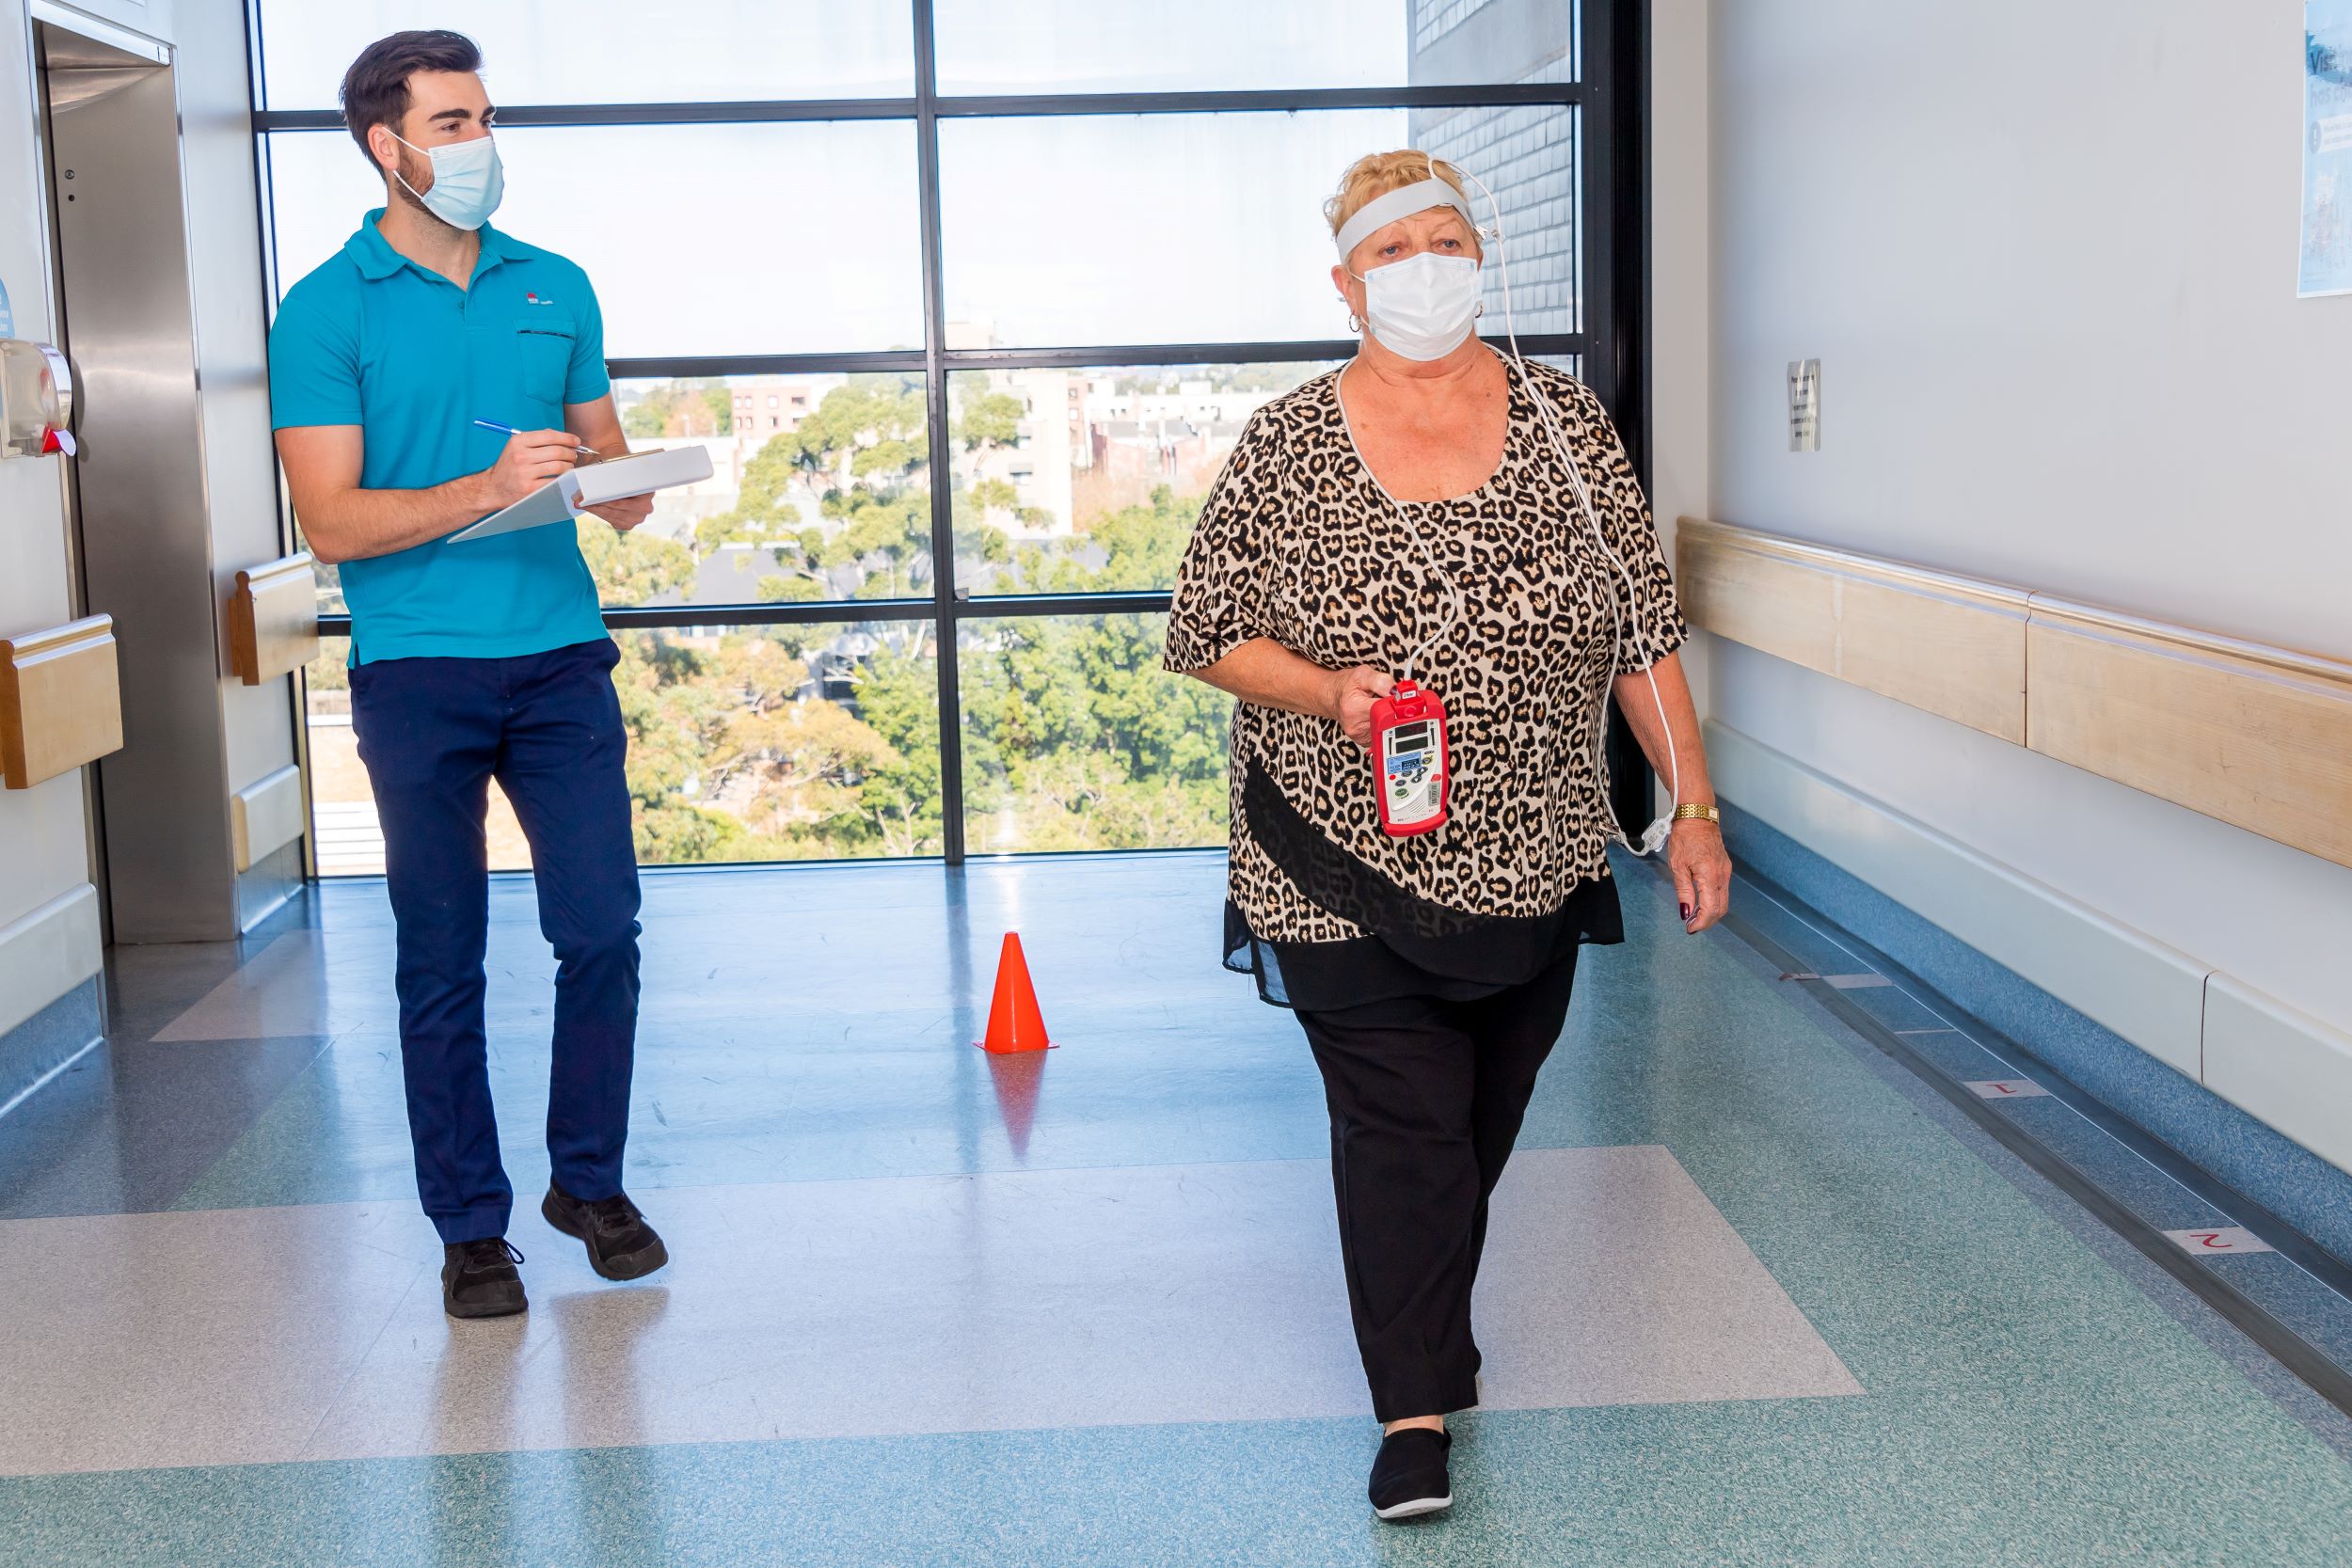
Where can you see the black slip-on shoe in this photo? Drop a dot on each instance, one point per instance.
(1410, 1476)
(478, 1279)
(621, 1245)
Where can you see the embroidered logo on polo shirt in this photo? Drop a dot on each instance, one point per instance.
(534, 299)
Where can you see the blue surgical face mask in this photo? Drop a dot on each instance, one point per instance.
(469, 180)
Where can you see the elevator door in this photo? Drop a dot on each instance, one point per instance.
(141, 532)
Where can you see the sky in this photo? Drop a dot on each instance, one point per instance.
(804, 237)
(649, 51)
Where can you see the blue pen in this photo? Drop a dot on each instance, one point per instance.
(510, 430)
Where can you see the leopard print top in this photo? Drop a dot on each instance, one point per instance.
(1297, 542)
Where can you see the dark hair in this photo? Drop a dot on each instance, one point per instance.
(375, 88)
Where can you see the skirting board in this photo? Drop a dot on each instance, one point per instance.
(2289, 1072)
(38, 1050)
(2286, 1066)
(47, 953)
(2151, 994)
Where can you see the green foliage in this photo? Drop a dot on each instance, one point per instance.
(1073, 737)
(989, 420)
(704, 408)
(1078, 740)
(633, 568)
(857, 460)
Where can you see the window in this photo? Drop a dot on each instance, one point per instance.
(850, 241)
(1075, 739)
(1099, 494)
(989, 46)
(1208, 228)
(603, 51)
(918, 608)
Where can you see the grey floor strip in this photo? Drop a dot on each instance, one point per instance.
(2291, 1350)
(1107, 1296)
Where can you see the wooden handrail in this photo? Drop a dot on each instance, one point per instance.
(273, 618)
(1953, 645)
(2249, 733)
(60, 700)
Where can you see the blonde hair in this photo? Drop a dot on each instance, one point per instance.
(1376, 174)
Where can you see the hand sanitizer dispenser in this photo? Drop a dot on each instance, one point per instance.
(36, 400)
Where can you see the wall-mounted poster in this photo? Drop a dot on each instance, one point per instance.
(2326, 149)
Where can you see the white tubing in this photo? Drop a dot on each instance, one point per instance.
(1658, 830)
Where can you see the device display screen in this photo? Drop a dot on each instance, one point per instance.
(1410, 738)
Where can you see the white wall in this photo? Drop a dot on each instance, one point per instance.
(2047, 257)
(43, 843)
(232, 349)
(1681, 282)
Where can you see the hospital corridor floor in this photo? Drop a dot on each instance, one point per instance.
(1755, 1292)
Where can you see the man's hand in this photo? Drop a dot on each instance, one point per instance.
(625, 511)
(1351, 693)
(532, 458)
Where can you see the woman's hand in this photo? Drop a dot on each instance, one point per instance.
(1702, 869)
(1350, 699)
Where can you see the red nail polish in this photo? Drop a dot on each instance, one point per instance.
(1686, 911)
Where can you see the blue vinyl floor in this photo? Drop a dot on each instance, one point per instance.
(1760, 1297)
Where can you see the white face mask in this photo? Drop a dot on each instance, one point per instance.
(1421, 307)
(469, 180)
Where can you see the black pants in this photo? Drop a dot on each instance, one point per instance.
(1426, 1098)
(432, 733)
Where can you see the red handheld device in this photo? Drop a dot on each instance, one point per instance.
(1411, 770)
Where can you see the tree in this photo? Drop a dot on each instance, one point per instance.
(988, 420)
(1073, 737)
(676, 408)
(634, 567)
(1076, 734)
(856, 463)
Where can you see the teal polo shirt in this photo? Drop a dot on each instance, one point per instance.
(374, 340)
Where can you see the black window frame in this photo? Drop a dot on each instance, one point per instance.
(1606, 93)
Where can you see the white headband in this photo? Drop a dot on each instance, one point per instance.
(1380, 211)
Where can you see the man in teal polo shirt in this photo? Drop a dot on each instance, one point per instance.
(475, 661)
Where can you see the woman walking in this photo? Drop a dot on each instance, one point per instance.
(1415, 515)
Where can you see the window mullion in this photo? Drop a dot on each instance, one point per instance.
(941, 462)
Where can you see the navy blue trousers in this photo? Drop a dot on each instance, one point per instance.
(432, 733)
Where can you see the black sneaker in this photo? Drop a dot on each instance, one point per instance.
(621, 1245)
(478, 1279)
(1410, 1476)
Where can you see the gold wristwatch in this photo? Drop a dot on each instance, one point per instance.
(1691, 811)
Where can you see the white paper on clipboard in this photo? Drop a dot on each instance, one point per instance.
(566, 495)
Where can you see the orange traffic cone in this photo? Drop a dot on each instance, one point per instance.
(1015, 1022)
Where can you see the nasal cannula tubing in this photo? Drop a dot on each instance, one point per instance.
(1550, 416)
(1421, 542)
(1659, 828)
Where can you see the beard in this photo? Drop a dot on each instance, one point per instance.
(411, 177)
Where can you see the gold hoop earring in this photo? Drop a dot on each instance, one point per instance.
(1354, 324)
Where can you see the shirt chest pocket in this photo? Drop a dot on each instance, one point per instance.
(543, 346)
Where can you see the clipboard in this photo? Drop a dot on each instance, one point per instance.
(566, 495)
